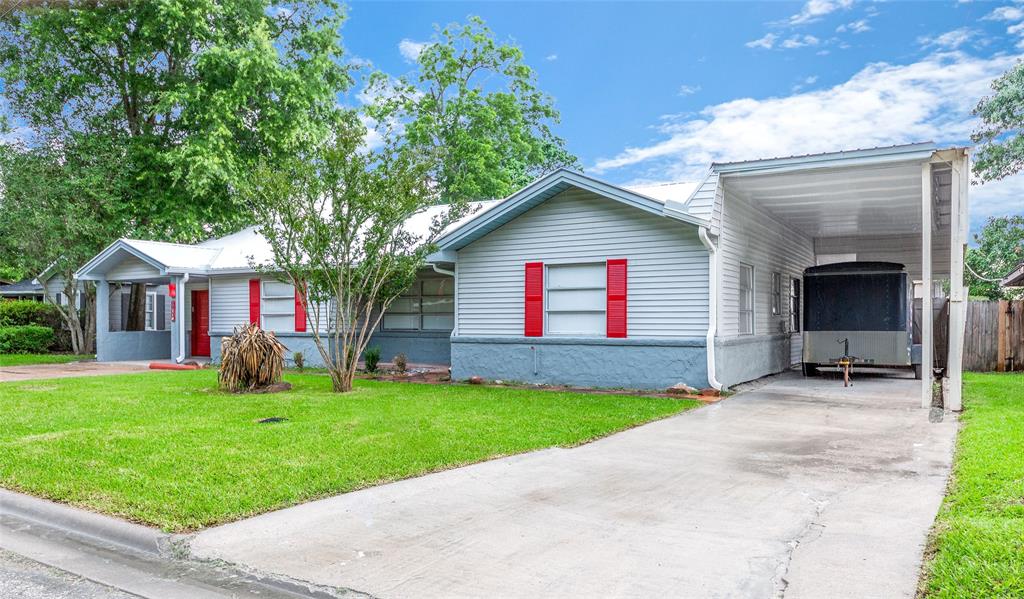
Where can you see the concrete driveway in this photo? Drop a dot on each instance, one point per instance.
(800, 487)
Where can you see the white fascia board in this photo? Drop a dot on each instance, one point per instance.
(84, 274)
(458, 238)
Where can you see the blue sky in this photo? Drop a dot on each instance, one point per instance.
(654, 91)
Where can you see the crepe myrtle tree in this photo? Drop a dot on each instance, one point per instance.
(335, 219)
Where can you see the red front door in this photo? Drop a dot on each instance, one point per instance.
(201, 322)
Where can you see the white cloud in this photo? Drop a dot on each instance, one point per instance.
(882, 104)
(410, 49)
(765, 42)
(814, 10)
(858, 26)
(551, 57)
(688, 90)
(1005, 13)
(799, 41)
(951, 40)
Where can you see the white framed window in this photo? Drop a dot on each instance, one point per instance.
(794, 304)
(151, 311)
(776, 294)
(277, 310)
(428, 305)
(576, 299)
(746, 304)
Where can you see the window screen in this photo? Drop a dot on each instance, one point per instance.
(278, 310)
(151, 311)
(776, 294)
(429, 305)
(746, 304)
(794, 305)
(576, 299)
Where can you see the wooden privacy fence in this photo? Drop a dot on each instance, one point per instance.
(994, 336)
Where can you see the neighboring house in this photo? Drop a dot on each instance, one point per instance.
(572, 280)
(200, 293)
(26, 289)
(1015, 278)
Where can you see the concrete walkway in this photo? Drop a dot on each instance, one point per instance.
(800, 488)
(58, 371)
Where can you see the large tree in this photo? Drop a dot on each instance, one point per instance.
(192, 93)
(470, 125)
(474, 101)
(335, 219)
(1001, 146)
(59, 206)
(999, 248)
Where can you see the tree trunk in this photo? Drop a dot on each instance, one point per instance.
(90, 318)
(137, 308)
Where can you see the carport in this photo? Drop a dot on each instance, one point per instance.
(904, 204)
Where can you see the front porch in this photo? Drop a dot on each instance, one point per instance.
(177, 307)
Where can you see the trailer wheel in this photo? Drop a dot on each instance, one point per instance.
(917, 371)
(810, 369)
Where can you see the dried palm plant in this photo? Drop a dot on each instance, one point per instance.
(251, 358)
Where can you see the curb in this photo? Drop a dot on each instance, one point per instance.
(83, 523)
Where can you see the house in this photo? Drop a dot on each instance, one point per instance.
(572, 280)
(26, 289)
(1015, 278)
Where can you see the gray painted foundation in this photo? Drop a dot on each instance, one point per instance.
(134, 345)
(747, 358)
(424, 348)
(581, 361)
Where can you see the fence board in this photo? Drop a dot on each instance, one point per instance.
(994, 336)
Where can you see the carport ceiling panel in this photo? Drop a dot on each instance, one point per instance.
(837, 202)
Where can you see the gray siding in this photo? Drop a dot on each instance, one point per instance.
(706, 202)
(131, 268)
(668, 265)
(229, 303)
(752, 236)
(905, 249)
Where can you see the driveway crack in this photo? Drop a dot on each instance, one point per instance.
(811, 531)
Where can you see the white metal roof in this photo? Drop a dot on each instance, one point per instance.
(679, 191)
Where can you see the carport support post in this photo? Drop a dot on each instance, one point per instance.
(957, 291)
(927, 318)
(102, 317)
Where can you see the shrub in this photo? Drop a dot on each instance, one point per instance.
(371, 357)
(401, 362)
(251, 358)
(16, 313)
(26, 339)
(300, 360)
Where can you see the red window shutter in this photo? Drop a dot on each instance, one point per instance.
(300, 310)
(616, 298)
(534, 315)
(254, 301)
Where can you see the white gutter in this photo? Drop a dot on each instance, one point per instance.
(181, 319)
(702, 232)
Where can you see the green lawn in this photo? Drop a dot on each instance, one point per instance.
(25, 359)
(169, 449)
(978, 540)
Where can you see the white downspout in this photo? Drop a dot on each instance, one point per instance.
(181, 319)
(438, 269)
(702, 232)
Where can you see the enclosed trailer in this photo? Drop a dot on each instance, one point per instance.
(861, 310)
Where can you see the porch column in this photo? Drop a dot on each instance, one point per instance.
(927, 318)
(178, 312)
(957, 292)
(102, 319)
